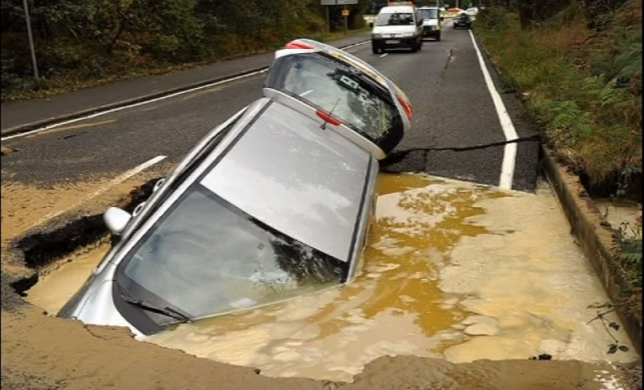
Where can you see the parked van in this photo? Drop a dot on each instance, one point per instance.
(399, 26)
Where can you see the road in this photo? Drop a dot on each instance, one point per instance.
(444, 81)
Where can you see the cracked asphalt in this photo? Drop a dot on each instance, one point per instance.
(444, 82)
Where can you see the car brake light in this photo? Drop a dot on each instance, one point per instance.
(327, 118)
(298, 45)
(409, 111)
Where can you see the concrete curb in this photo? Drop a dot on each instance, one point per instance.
(45, 122)
(596, 240)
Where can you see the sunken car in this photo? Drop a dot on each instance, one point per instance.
(274, 202)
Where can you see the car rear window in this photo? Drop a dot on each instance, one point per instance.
(354, 98)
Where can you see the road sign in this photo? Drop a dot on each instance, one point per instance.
(345, 12)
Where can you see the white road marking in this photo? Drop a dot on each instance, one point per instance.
(306, 93)
(510, 150)
(101, 113)
(384, 55)
(117, 180)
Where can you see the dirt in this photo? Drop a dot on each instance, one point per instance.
(43, 352)
(40, 352)
(27, 206)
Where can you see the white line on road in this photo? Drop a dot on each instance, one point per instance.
(510, 150)
(117, 180)
(384, 55)
(101, 113)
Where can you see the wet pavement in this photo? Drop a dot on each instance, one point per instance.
(453, 270)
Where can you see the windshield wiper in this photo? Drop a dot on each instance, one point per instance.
(166, 311)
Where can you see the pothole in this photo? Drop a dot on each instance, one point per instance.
(452, 270)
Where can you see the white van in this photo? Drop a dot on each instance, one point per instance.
(395, 27)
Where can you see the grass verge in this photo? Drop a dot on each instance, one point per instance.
(583, 87)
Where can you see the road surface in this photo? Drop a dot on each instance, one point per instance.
(454, 107)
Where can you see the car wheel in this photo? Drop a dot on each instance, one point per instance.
(375, 49)
(438, 37)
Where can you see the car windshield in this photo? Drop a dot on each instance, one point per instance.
(354, 98)
(206, 257)
(429, 13)
(395, 19)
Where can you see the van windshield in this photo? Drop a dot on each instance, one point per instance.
(429, 13)
(395, 19)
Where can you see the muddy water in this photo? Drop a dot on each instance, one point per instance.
(59, 281)
(452, 270)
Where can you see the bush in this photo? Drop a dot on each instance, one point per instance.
(82, 42)
(584, 87)
(493, 18)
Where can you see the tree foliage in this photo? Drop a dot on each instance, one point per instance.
(99, 38)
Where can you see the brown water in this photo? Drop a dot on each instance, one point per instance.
(452, 270)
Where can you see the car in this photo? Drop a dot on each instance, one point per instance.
(432, 22)
(300, 70)
(272, 203)
(398, 26)
(472, 11)
(462, 20)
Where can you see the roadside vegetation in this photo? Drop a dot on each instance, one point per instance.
(80, 43)
(578, 67)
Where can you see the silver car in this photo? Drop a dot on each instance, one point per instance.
(273, 203)
(371, 110)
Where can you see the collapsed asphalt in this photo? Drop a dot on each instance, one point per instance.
(453, 108)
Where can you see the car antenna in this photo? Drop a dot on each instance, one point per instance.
(323, 127)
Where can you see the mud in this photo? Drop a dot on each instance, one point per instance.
(622, 215)
(404, 304)
(28, 208)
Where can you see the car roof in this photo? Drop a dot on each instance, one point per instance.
(397, 8)
(287, 172)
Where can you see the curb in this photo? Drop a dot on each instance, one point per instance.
(74, 115)
(45, 122)
(595, 238)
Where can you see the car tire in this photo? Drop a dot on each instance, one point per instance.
(375, 49)
(438, 37)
